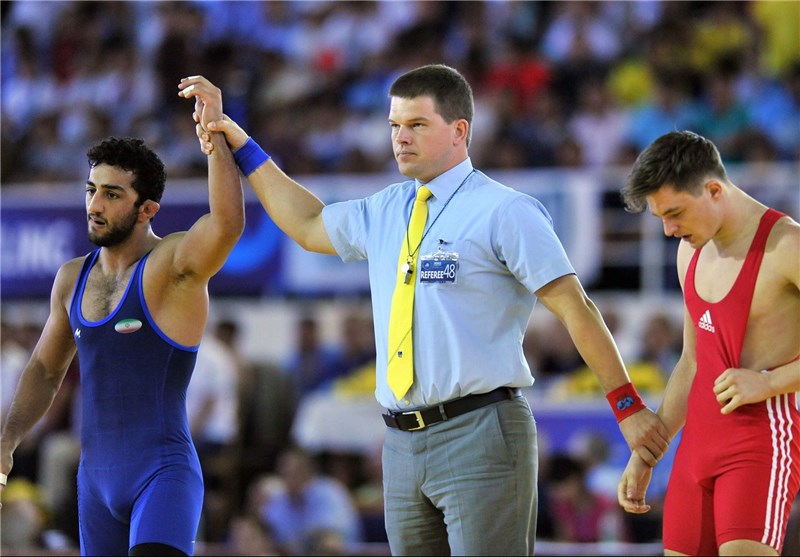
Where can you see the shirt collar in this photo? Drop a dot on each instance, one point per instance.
(445, 184)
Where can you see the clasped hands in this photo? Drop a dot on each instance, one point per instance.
(208, 113)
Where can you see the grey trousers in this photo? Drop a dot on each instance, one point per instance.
(465, 486)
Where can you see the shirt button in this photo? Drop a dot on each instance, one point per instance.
(407, 402)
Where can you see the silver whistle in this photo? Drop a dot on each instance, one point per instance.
(408, 270)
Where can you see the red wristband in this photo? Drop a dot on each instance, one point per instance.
(625, 401)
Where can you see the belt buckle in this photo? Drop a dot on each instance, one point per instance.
(420, 421)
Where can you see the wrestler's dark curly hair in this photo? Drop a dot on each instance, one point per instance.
(133, 155)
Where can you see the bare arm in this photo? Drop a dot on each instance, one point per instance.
(635, 479)
(295, 210)
(736, 387)
(676, 395)
(202, 251)
(41, 379)
(565, 298)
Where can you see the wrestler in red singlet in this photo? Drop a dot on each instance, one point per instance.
(754, 450)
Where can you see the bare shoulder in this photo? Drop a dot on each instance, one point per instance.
(685, 252)
(786, 227)
(162, 255)
(73, 266)
(783, 248)
(166, 271)
(168, 243)
(785, 238)
(177, 301)
(67, 276)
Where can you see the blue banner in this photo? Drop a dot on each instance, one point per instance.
(37, 240)
(44, 225)
(43, 228)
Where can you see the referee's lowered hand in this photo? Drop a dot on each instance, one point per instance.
(646, 435)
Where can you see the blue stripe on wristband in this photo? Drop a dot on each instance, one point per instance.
(625, 401)
(250, 156)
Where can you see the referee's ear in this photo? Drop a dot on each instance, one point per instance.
(461, 132)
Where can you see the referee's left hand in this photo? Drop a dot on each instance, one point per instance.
(646, 435)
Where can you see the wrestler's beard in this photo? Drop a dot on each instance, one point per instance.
(116, 234)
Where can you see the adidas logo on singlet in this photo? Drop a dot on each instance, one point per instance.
(705, 322)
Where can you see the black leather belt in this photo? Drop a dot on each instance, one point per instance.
(422, 418)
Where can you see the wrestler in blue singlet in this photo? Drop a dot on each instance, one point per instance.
(139, 479)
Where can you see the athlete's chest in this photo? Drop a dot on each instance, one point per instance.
(103, 293)
(716, 276)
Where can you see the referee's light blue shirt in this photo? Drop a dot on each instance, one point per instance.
(467, 334)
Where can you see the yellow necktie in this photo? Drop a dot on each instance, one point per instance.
(401, 352)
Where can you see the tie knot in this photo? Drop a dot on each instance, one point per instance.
(423, 193)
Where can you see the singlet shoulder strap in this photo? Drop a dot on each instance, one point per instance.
(768, 220)
(688, 280)
(756, 253)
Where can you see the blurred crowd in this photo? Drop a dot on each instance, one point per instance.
(571, 84)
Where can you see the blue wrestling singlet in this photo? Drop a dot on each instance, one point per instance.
(139, 479)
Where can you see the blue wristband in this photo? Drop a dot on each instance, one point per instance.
(250, 156)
